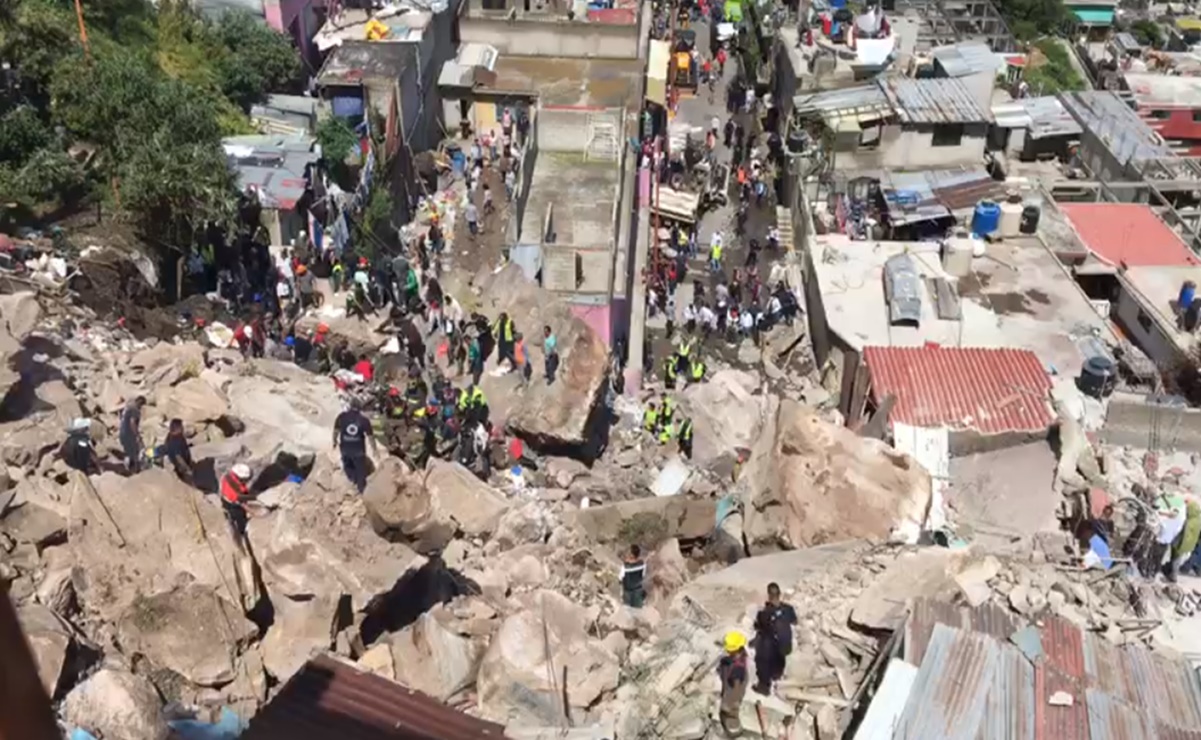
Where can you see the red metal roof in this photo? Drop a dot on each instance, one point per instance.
(1127, 234)
(328, 699)
(990, 390)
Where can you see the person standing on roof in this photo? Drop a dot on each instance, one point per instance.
(352, 432)
(235, 492)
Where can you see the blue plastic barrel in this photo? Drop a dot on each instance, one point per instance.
(986, 218)
(1187, 291)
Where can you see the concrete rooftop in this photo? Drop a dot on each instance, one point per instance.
(1018, 296)
(605, 83)
(404, 24)
(1157, 288)
(583, 195)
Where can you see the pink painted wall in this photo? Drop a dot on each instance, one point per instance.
(281, 14)
(595, 316)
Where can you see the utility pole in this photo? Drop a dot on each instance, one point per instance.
(83, 30)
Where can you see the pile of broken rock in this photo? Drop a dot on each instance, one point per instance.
(497, 597)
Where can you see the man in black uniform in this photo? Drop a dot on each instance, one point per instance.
(178, 452)
(773, 639)
(352, 431)
(78, 451)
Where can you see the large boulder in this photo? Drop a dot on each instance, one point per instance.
(300, 409)
(300, 629)
(317, 542)
(666, 572)
(560, 416)
(520, 678)
(427, 509)
(165, 364)
(728, 412)
(193, 400)
(142, 535)
(49, 638)
(810, 482)
(23, 443)
(116, 704)
(431, 658)
(190, 630)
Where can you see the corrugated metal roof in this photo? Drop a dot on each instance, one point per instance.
(1117, 125)
(1111, 719)
(330, 699)
(832, 101)
(274, 166)
(923, 615)
(1042, 117)
(888, 703)
(1062, 670)
(1167, 690)
(1126, 42)
(932, 194)
(989, 390)
(1009, 712)
(949, 695)
(940, 100)
(966, 58)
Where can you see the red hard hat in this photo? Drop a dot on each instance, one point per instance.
(393, 392)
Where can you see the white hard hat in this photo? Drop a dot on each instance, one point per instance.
(242, 470)
(81, 423)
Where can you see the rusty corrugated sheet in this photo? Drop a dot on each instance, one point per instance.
(1009, 712)
(331, 700)
(926, 613)
(1166, 732)
(950, 693)
(1062, 670)
(990, 390)
(1105, 669)
(1110, 718)
(1167, 690)
(993, 620)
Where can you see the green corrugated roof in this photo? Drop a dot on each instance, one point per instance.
(1095, 16)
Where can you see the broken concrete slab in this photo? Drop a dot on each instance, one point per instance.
(35, 524)
(929, 572)
(49, 637)
(24, 443)
(666, 572)
(560, 416)
(973, 580)
(809, 481)
(434, 660)
(166, 364)
(141, 535)
(677, 516)
(471, 503)
(515, 676)
(116, 704)
(728, 593)
(300, 412)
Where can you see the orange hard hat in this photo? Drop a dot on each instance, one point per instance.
(323, 328)
(301, 269)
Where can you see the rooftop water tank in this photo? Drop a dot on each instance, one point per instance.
(986, 218)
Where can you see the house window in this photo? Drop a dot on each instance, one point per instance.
(1197, 116)
(948, 134)
(1144, 320)
(1159, 115)
(869, 137)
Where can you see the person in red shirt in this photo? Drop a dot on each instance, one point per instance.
(235, 491)
(721, 61)
(365, 368)
(706, 69)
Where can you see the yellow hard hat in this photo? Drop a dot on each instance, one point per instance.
(735, 641)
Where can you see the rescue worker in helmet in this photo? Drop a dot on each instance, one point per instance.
(78, 450)
(732, 670)
(235, 493)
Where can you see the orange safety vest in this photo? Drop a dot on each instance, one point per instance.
(232, 488)
(519, 352)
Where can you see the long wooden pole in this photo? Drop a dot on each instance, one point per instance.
(83, 30)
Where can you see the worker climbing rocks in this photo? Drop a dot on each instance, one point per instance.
(683, 351)
(667, 409)
(78, 451)
(633, 576)
(666, 431)
(685, 438)
(472, 405)
(696, 372)
(732, 670)
(235, 492)
(650, 418)
(352, 431)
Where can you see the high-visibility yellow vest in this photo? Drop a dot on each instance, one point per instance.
(650, 419)
(506, 327)
(698, 370)
(717, 252)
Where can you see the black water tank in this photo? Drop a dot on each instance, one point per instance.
(1098, 376)
(1030, 217)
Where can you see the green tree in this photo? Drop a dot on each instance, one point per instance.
(22, 133)
(1032, 19)
(1055, 74)
(1147, 32)
(258, 60)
